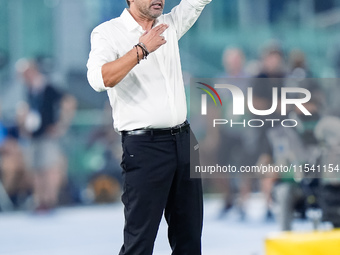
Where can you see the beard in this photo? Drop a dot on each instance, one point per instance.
(153, 10)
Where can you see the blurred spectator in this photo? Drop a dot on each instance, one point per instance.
(45, 120)
(296, 146)
(297, 65)
(272, 63)
(327, 132)
(3, 131)
(272, 75)
(106, 181)
(15, 179)
(233, 62)
(223, 148)
(228, 146)
(274, 69)
(235, 190)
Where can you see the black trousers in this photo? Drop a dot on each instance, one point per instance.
(156, 173)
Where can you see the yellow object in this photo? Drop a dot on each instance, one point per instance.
(310, 243)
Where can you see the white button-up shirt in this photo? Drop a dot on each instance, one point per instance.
(152, 94)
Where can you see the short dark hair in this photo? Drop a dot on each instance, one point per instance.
(128, 2)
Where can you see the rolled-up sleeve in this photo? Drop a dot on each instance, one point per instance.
(101, 53)
(184, 15)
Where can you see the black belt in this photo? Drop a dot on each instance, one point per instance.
(159, 131)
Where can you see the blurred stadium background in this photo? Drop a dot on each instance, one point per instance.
(57, 32)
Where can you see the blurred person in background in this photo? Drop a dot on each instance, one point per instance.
(3, 130)
(297, 146)
(272, 63)
(327, 132)
(135, 58)
(233, 61)
(297, 65)
(272, 68)
(236, 190)
(272, 74)
(223, 148)
(44, 120)
(15, 178)
(106, 181)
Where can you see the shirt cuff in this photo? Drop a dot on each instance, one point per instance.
(95, 79)
(198, 4)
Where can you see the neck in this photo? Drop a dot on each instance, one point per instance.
(145, 22)
(38, 83)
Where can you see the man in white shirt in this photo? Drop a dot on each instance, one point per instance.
(135, 58)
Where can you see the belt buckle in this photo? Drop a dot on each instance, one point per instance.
(176, 131)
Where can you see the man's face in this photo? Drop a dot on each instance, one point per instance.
(151, 9)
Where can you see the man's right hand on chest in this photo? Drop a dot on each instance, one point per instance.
(153, 39)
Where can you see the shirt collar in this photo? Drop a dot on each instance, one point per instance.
(131, 23)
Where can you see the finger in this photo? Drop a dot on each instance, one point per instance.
(164, 27)
(161, 31)
(161, 27)
(156, 28)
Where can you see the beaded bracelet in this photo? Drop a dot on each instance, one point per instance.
(138, 60)
(143, 47)
(144, 50)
